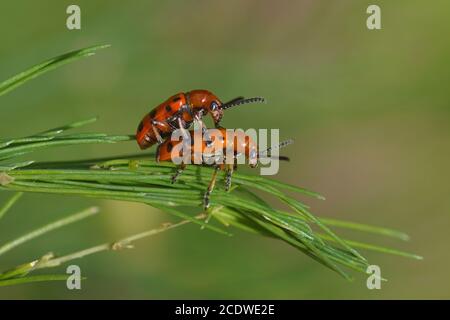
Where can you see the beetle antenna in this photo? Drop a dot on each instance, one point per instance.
(266, 153)
(234, 100)
(240, 101)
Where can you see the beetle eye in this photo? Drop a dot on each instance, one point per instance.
(214, 106)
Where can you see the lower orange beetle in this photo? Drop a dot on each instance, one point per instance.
(214, 153)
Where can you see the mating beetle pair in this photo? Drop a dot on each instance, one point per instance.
(179, 112)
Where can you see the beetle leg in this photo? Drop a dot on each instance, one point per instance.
(205, 133)
(160, 123)
(211, 185)
(157, 153)
(156, 132)
(228, 177)
(183, 130)
(179, 171)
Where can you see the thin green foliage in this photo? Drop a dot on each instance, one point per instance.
(47, 228)
(148, 182)
(5, 208)
(43, 67)
(125, 243)
(21, 273)
(140, 179)
(36, 278)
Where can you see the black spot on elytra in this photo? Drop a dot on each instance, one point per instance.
(176, 99)
(168, 108)
(140, 127)
(169, 147)
(152, 113)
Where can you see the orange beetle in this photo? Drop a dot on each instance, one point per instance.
(214, 153)
(179, 111)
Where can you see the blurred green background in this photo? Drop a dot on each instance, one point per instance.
(369, 111)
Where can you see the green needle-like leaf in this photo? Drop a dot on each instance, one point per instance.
(5, 208)
(43, 67)
(50, 227)
(37, 278)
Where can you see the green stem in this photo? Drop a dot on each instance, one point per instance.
(47, 228)
(124, 243)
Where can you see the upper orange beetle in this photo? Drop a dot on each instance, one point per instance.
(179, 111)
